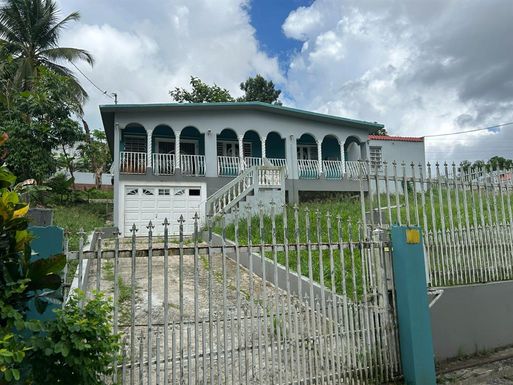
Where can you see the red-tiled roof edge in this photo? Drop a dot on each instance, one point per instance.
(397, 138)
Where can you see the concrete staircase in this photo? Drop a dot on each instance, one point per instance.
(254, 189)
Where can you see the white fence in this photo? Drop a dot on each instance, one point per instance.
(228, 165)
(308, 168)
(467, 223)
(276, 307)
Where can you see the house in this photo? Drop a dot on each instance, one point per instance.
(171, 160)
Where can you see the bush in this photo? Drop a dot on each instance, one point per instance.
(78, 347)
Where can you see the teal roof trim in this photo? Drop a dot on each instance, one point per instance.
(107, 112)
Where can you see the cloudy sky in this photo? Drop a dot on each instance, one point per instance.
(419, 67)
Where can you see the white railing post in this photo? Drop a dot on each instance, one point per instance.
(241, 153)
(178, 165)
(342, 158)
(149, 134)
(263, 140)
(319, 156)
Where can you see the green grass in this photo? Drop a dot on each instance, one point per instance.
(86, 216)
(309, 222)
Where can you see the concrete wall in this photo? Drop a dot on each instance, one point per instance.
(400, 151)
(470, 319)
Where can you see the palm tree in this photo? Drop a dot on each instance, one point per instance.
(29, 33)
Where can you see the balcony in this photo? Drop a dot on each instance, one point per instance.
(163, 164)
(192, 165)
(308, 169)
(132, 162)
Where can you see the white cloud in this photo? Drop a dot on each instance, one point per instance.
(144, 50)
(418, 68)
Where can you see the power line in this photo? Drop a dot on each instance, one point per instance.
(468, 131)
(112, 96)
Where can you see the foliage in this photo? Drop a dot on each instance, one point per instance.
(40, 123)
(92, 216)
(494, 163)
(381, 132)
(29, 33)
(21, 280)
(94, 154)
(61, 185)
(201, 93)
(258, 89)
(79, 347)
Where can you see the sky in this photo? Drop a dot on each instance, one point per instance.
(418, 67)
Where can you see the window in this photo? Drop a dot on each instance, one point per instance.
(194, 192)
(164, 191)
(135, 144)
(307, 151)
(179, 191)
(147, 192)
(227, 148)
(376, 159)
(132, 191)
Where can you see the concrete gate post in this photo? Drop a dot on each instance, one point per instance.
(416, 342)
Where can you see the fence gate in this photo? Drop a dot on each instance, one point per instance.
(286, 298)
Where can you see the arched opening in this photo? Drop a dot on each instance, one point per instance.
(133, 146)
(163, 149)
(228, 162)
(307, 157)
(352, 149)
(275, 152)
(331, 163)
(252, 149)
(192, 151)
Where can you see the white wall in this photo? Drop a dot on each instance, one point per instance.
(401, 151)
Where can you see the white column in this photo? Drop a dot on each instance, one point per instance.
(149, 134)
(177, 151)
(241, 152)
(342, 157)
(264, 155)
(319, 155)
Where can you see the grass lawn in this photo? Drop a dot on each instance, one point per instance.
(86, 216)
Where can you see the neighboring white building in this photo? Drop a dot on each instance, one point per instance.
(399, 149)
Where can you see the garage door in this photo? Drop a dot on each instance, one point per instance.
(155, 203)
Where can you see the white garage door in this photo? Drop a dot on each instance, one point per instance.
(144, 204)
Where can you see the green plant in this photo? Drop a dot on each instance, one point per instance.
(79, 347)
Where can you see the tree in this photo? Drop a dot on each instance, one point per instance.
(258, 89)
(255, 89)
(94, 154)
(29, 32)
(201, 93)
(380, 132)
(40, 122)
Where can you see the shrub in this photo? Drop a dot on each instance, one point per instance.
(78, 347)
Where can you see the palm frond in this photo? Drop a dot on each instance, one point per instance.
(67, 53)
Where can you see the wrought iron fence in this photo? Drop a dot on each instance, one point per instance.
(292, 298)
(466, 217)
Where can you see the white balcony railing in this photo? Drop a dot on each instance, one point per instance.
(308, 168)
(354, 168)
(332, 169)
(132, 162)
(192, 165)
(280, 162)
(228, 165)
(163, 164)
(250, 161)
